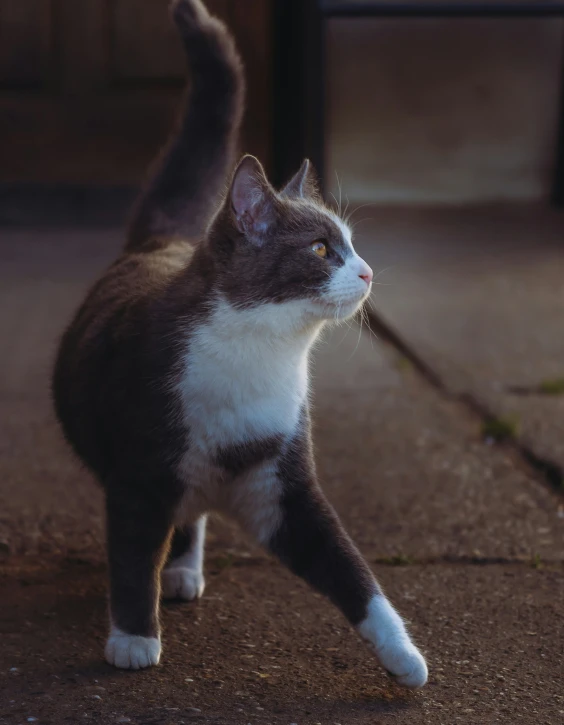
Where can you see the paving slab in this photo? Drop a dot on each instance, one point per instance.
(260, 647)
(47, 501)
(465, 540)
(479, 295)
(406, 469)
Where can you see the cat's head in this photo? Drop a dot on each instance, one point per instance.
(287, 248)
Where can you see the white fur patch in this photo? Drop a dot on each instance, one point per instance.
(346, 290)
(343, 227)
(182, 583)
(245, 378)
(132, 652)
(384, 630)
(183, 577)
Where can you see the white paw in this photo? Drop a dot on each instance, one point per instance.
(404, 662)
(179, 582)
(131, 651)
(385, 631)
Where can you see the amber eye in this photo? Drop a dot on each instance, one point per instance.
(319, 248)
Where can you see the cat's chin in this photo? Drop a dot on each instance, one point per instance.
(337, 312)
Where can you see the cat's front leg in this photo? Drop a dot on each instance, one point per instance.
(139, 527)
(306, 534)
(183, 575)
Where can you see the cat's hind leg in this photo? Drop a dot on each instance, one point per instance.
(140, 526)
(183, 575)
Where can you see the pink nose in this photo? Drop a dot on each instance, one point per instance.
(366, 273)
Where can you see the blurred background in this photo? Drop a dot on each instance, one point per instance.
(444, 110)
(89, 89)
(415, 110)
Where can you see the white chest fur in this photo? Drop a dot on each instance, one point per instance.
(245, 377)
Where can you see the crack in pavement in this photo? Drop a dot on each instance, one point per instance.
(550, 472)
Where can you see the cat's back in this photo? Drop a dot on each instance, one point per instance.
(132, 287)
(138, 275)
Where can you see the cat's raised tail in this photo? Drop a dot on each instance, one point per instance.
(187, 179)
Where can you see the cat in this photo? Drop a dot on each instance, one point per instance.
(182, 381)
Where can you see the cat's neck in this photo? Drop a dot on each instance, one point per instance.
(278, 326)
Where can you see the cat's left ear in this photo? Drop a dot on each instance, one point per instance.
(252, 200)
(303, 184)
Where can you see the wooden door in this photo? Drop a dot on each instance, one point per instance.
(89, 88)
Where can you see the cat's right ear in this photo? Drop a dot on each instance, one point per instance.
(303, 184)
(252, 200)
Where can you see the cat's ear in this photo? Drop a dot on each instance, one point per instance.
(303, 184)
(252, 200)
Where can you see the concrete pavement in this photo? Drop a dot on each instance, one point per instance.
(478, 294)
(465, 538)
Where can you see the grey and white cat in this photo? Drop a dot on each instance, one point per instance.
(182, 382)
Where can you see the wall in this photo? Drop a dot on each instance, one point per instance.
(443, 110)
